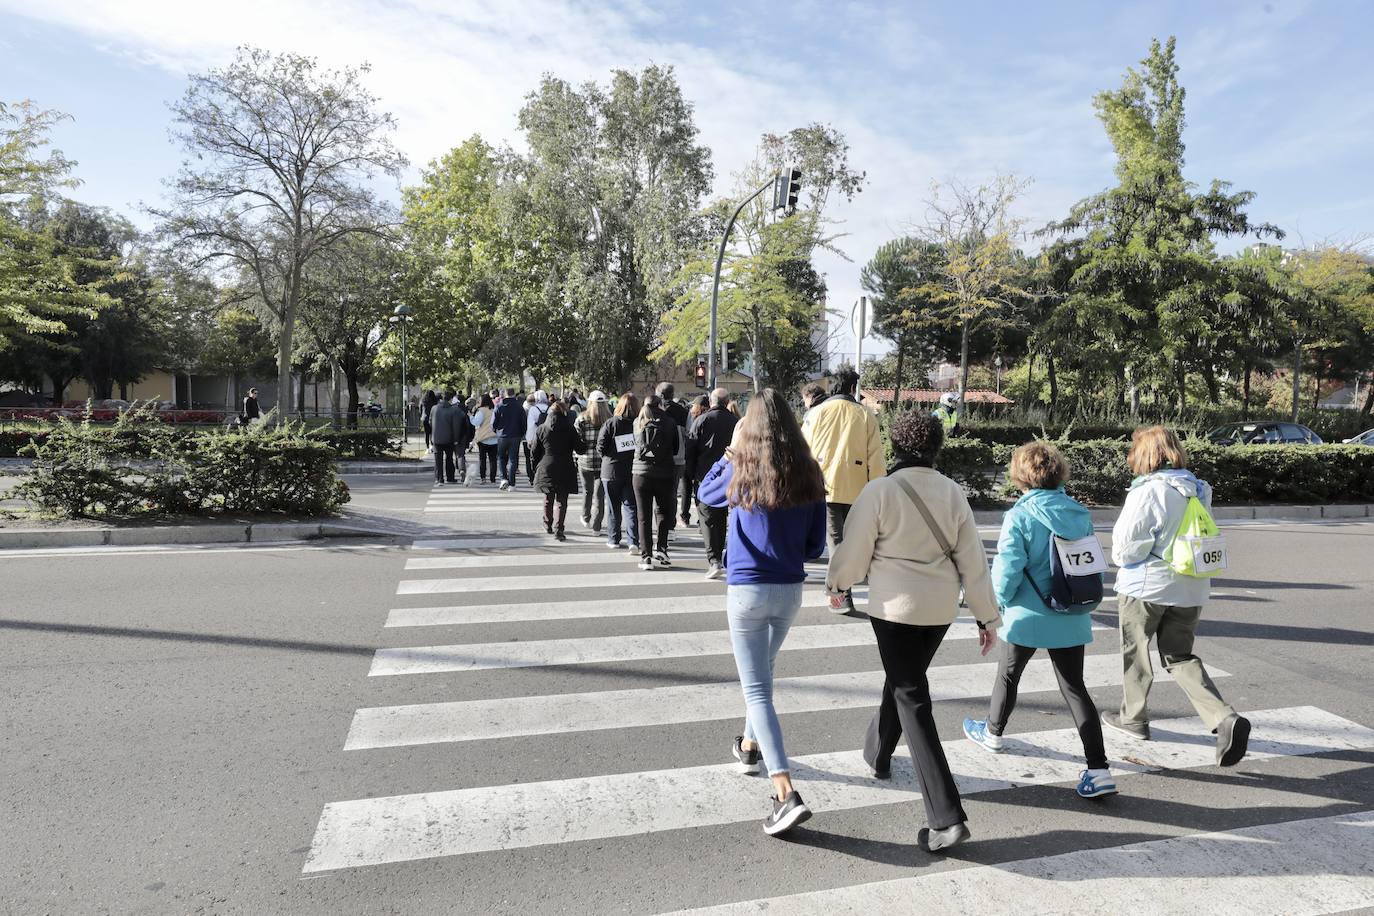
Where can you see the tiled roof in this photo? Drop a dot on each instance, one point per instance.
(931, 396)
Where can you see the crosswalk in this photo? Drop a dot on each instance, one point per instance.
(606, 616)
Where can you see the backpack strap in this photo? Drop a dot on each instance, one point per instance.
(920, 505)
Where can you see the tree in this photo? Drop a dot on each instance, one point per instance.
(348, 297)
(280, 152)
(238, 346)
(771, 297)
(614, 183)
(980, 277)
(893, 278)
(39, 290)
(1142, 276)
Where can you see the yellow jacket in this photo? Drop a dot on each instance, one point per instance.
(843, 436)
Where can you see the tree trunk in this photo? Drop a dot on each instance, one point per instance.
(352, 379)
(1317, 385)
(59, 388)
(1181, 374)
(124, 391)
(1132, 392)
(336, 393)
(1368, 399)
(1297, 375)
(288, 327)
(1209, 375)
(963, 362)
(1030, 376)
(897, 379)
(300, 398)
(1054, 383)
(1245, 393)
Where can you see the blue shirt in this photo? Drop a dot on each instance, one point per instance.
(765, 546)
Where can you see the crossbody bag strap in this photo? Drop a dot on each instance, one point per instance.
(930, 521)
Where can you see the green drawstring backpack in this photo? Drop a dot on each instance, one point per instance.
(1198, 548)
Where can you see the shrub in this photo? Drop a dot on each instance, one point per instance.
(359, 443)
(81, 469)
(973, 463)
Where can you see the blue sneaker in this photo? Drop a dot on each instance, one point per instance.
(977, 732)
(1095, 783)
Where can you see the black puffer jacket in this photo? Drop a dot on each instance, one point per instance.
(555, 445)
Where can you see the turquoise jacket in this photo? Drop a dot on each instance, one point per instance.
(1024, 544)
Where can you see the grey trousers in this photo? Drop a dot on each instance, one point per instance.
(1173, 629)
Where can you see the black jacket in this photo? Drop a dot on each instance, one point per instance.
(554, 446)
(615, 464)
(706, 441)
(251, 410)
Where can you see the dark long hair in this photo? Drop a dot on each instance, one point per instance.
(773, 465)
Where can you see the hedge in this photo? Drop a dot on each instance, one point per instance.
(346, 443)
(83, 470)
(1332, 425)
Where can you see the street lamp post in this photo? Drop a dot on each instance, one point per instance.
(402, 316)
(997, 361)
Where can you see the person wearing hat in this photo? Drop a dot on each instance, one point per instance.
(588, 425)
(948, 413)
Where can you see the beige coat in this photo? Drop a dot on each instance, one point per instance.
(909, 579)
(843, 436)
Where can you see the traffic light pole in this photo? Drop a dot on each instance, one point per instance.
(715, 283)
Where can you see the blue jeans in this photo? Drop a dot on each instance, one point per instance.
(620, 495)
(760, 616)
(508, 457)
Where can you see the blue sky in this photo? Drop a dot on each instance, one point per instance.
(1280, 93)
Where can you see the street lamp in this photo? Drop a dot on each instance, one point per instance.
(403, 317)
(997, 361)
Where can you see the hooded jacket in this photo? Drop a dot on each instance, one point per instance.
(843, 435)
(1024, 548)
(1148, 522)
(556, 445)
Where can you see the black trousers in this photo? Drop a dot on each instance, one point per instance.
(428, 431)
(687, 491)
(555, 510)
(906, 708)
(654, 503)
(835, 516)
(713, 523)
(486, 462)
(1068, 668)
(443, 462)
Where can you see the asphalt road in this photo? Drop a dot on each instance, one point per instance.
(196, 731)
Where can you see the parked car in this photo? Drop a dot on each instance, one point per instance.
(1263, 432)
(1364, 438)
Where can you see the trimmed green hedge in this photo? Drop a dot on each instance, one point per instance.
(135, 439)
(138, 468)
(1332, 425)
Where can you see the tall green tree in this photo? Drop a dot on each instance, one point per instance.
(40, 290)
(280, 154)
(902, 313)
(1143, 273)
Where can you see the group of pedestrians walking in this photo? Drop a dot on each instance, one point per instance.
(769, 492)
(909, 532)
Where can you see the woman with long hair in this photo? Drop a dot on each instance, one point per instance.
(555, 473)
(616, 444)
(912, 535)
(588, 425)
(654, 471)
(776, 495)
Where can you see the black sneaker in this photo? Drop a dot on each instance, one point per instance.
(944, 838)
(1138, 730)
(661, 560)
(748, 760)
(1233, 737)
(559, 535)
(787, 814)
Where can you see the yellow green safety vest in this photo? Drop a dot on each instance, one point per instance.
(950, 418)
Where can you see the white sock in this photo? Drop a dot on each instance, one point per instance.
(1099, 774)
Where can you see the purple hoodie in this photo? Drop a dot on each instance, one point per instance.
(765, 545)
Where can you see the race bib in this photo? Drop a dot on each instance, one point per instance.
(1081, 556)
(625, 443)
(1209, 554)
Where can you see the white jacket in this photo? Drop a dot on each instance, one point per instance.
(1148, 522)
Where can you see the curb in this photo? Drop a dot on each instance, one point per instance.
(264, 533)
(17, 467)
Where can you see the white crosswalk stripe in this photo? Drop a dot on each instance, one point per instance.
(474, 720)
(1269, 870)
(401, 828)
(574, 616)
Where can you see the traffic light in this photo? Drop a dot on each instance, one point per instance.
(701, 375)
(786, 189)
(728, 357)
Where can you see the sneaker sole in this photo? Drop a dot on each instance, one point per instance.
(1240, 742)
(748, 769)
(923, 840)
(798, 815)
(1098, 793)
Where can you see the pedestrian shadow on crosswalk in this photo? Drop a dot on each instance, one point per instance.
(223, 639)
(1282, 632)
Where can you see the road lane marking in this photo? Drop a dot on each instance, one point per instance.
(585, 607)
(479, 720)
(561, 581)
(1266, 870)
(402, 828)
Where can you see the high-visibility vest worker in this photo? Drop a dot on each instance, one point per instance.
(948, 412)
